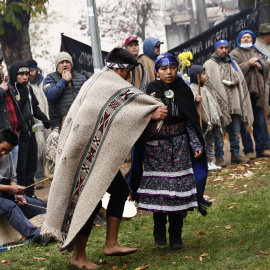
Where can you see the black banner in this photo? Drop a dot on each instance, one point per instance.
(202, 46)
(81, 55)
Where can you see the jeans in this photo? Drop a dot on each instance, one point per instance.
(209, 140)
(18, 216)
(14, 153)
(233, 130)
(27, 163)
(39, 173)
(259, 131)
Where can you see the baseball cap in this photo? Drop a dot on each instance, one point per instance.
(158, 43)
(130, 39)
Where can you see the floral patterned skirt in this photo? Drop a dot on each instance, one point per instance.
(168, 182)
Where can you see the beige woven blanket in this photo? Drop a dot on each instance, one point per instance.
(104, 122)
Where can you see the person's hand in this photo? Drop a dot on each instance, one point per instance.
(258, 66)
(17, 189)
(20, 200)
(252, 61)
(160, 113)
(67, 75)
(46, 123)
(198, 154)
(4, 85)
(198, 98)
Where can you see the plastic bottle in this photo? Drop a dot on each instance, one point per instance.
(36, 127)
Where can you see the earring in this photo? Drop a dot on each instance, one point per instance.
(158, 78)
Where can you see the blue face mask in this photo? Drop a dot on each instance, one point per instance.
(246, 45)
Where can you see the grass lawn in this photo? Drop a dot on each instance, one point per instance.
(234, 235)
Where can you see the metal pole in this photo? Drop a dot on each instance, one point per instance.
(192, 31)
(94, 32)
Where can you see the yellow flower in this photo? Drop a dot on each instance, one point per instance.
(190, 56)
(181, 56)
(187, 63)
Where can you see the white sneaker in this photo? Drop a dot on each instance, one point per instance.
(213, 167)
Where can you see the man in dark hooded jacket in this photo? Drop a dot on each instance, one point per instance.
(28, 105)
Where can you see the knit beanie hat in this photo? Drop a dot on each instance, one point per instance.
(62, 56)
(17, 67)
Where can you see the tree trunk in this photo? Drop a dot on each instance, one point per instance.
(16, 43)
(264, 9)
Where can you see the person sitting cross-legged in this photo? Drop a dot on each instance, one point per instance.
(18, 209)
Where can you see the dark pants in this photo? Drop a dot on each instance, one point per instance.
(175, 223)
(27, 163)
(18, 216)
(119, 192)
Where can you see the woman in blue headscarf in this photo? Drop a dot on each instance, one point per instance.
(175, 166)
(255, 68)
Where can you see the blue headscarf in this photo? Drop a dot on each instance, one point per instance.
(253, 38)
(225, 42)
(165, 59)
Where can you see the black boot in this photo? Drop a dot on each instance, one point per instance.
(160, 220)
(175, 230)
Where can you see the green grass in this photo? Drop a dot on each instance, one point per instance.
(240, 202)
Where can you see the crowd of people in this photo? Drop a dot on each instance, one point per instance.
(79, 132)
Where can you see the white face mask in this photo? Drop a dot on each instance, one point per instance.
(246, 45)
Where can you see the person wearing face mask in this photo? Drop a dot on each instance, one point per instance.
(225, 81)
(255, 68)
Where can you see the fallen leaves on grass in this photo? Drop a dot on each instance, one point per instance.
(201, 233)
(203, 256)
(189, 257)
(144, 228)
(43, 268)
(38, 258)
(103, 261)
(4, 262)
(231, 205)
(142, 267)
(248, 174)
(242, 241)
(229, 227)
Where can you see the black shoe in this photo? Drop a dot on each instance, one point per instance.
(44, 240)
(160, 240)
(176, 242)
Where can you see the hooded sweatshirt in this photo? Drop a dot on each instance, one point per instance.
(149, 47)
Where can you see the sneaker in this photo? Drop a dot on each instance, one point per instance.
(220, 162)
(44, 240)
(213, 167)
(239, 160)
(265, 153)
(250, 156)
(210, 159)
(99, 220)
(39, 186)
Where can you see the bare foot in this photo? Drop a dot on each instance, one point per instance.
(118, 250)
(83, 263)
